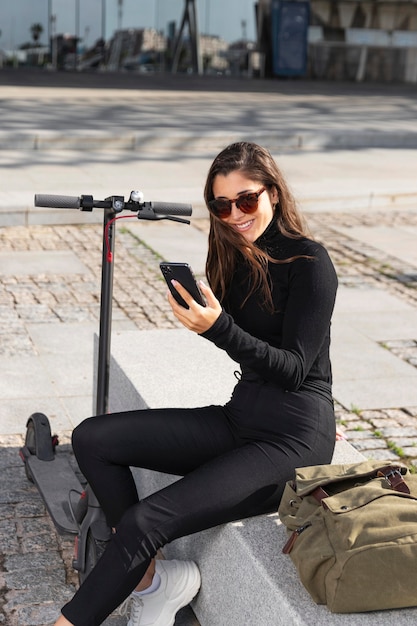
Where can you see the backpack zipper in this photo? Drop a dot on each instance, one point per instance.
(291, 541)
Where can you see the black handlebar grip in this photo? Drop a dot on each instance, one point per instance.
(171, 208)
(57, 202)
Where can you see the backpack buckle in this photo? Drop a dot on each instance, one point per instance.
(395, 480)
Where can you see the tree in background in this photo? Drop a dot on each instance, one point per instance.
(36, 31)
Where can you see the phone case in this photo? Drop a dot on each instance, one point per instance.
(182, 273)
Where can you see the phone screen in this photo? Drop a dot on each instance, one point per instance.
(182, 273)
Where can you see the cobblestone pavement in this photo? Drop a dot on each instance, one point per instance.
(30, 544)
(32, 552)
(385, 433)
(140, 296)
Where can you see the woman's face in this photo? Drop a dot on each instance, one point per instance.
(249, 225)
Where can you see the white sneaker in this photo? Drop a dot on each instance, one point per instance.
(180, 582)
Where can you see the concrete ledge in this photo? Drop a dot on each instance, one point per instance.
(246, 578)
(172, 142)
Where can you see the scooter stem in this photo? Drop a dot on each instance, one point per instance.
(103, 362)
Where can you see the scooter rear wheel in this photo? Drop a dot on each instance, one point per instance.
(30, 443)
(94, 550)
(38, 440)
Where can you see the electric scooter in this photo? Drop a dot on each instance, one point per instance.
(71, 503)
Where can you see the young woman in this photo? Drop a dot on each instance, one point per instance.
(269, 305)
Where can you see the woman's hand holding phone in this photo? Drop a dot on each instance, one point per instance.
(193, 304)
(196, 318)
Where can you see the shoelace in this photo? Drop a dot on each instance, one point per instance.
(136, 606)
(124, 607)
(135, 610)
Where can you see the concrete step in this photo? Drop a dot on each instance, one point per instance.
(171, 142)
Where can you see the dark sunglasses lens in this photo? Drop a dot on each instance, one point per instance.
(248, 203)
(221, 208)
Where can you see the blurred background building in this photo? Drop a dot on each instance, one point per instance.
(371, 40)
(355, 40)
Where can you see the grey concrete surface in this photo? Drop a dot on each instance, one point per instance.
(161, 136)
(349, 154)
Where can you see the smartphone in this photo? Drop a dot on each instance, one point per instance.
(182, 273)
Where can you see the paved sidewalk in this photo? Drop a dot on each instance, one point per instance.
(362, 203)
(344, 146)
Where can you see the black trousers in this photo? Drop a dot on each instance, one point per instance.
(234, 461)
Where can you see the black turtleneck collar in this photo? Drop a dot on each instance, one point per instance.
(268, 240)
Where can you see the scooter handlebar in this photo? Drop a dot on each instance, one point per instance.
(171, 208)
(57, 202)
(87, 202)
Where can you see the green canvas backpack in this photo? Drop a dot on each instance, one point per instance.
(353, 534)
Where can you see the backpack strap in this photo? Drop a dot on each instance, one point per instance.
(391, 474)
(394, 478)
(319, 494)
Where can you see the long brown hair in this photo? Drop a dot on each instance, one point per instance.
(224, 243)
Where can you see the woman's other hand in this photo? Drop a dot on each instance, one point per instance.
(197, 318)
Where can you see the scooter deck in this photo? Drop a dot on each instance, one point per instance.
(55, 480)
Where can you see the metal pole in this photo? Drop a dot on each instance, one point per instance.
(50, 28)
(54, 43)
(103, 20)
(120, 15)
(207, 17)
(77, 31)
(194, 37)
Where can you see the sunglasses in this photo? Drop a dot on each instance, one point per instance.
(247, 203)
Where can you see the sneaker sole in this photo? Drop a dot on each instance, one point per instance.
(182, 600)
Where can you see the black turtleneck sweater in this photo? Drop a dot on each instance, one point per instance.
(289, 347)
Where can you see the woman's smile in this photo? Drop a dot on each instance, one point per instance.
(241, 226)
